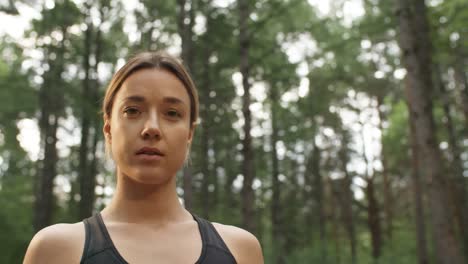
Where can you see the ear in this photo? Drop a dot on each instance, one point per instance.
(106, 129)
(191, 132)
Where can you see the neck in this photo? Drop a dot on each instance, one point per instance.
(136, 202)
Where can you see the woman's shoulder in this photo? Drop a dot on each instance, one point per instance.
(243, 245)
(59, 243)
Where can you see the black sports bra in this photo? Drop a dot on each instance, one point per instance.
(99, 248)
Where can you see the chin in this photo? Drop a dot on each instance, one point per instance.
(151, 178)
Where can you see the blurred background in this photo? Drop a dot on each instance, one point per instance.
(335, 131)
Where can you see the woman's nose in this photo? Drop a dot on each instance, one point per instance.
(151, 129)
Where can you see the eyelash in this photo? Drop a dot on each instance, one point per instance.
(132, 111)
(177, 114)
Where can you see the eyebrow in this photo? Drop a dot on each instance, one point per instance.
(140, 99)
(134, 98)
(173, 100)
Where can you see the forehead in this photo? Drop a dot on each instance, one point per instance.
(153, 84)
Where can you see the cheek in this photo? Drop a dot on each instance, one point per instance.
(182, 133)
(120, 133)
(179, 139)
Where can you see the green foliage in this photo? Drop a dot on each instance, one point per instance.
(16, 204)
(19, 101)
(63, 15)
(396, 137)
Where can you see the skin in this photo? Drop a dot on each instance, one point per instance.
(151, 109)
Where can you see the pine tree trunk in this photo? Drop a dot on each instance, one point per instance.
(205, 194)
(456, 183)
(415, 47)
(205, 166)
(319, 198)
(44, 202)
(189, 47)
(423, 257)
(387, 195)
(83, 167)
(347, 202)
(461, 80)
(185, 33)
(335, 222)
(90, 121)
(248, 199)
(277, 239)
(97, 123)
(186, 30)
(373, 219)
(373, 209)
(51, 100)
(206, 142)
(306, 198)
(291, 239)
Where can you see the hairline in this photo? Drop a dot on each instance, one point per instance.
(162, 64)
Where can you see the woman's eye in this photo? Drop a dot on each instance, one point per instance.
(131, 111)
(173, 113)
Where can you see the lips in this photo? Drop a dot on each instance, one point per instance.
(149, 151)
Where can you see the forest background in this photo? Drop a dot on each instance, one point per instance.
(335, 131)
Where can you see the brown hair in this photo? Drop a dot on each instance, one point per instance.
(152, 60)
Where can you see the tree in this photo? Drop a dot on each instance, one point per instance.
(16, 168)
(248, 196)
(415, 46)
(185, 32)
(55, 22)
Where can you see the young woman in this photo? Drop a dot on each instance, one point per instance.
(150, 111)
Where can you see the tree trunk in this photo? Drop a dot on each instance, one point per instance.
(423, 257)
(457, 186)
(181, 25)
(185, 33)
(306, 198)
(373, 219)
(52, 104)
(461, 80)
(277, 239)
(189, 47)
(216, 203)
(44, 203)
(97, 126)
(292, 234)
(318, 187)
(373, 210)
(248, 199)
(335, 217)
(90, 120)
(83, 169)
(185, 23)
(387, 195)
(347, 202)
(205, 166)
(205, 194)
(415, 45)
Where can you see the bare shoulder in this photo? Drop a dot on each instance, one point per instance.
(60, 243)
(243, 245)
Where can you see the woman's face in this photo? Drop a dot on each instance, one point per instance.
(149, 130)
